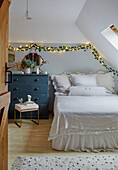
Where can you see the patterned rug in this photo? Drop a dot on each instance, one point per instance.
(91, 162)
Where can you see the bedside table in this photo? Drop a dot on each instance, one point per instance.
(25, 108)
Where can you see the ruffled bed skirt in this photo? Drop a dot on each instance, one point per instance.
(107, 141)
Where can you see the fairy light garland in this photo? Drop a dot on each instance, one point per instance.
(85, 47)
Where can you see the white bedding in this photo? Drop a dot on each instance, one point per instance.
(87, 105)
(85, 123)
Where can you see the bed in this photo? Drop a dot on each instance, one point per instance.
(85, 122)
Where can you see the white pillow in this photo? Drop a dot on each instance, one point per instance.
(106, 80)
(83, 80)
(61, 82)
(88, 91)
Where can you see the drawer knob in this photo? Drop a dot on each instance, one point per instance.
(15, 89)
(16, 79)
(36, 79)
(36, 99)
(36, 89)
(16, 98)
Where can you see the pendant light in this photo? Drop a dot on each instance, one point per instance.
(27, 14)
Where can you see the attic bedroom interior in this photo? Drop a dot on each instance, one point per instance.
(58, 84)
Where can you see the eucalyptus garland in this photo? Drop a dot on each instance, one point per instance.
(66, 49)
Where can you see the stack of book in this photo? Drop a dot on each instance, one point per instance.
(28, 103)
(17, 72)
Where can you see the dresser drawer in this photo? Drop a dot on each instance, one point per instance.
(40, 98)
(43, 88)
(29, 80)
(36, 97)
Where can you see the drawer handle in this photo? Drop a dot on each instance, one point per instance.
(36, 79)
(16, 98)
(10, 74)
(16, 79)
(36, 99)
(15, 89)
(36, 89)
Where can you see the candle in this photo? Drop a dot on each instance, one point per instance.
(37, 70)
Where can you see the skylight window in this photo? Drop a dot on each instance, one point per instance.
(111, 34)
(114, 29)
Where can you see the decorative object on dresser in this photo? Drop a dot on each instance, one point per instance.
(35, 85)
(32, 61)
(27, 70)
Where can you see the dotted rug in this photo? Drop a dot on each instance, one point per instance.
(92, 162)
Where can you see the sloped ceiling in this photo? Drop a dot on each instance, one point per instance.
(96, 16)
(53, 21)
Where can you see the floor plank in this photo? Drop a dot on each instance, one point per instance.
(29, 139)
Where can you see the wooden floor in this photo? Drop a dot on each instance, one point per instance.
(30, 139)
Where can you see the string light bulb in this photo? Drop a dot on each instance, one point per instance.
(67, 49)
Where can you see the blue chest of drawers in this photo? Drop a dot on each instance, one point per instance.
(30, 84)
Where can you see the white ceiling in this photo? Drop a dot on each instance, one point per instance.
(47, 10)
(48, 16)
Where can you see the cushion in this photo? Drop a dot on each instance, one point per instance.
(83, 80)
(88, 91)
(26, 107)
(106, 80)
(61, 82)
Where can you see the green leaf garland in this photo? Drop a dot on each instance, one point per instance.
(66, 49)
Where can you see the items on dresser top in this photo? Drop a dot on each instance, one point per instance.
(30, 84)
(25, 108)
(17, 72)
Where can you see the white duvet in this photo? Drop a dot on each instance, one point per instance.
(87, 104)
(83, 116)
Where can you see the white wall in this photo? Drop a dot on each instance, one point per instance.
(46, 33)
(94, 18)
